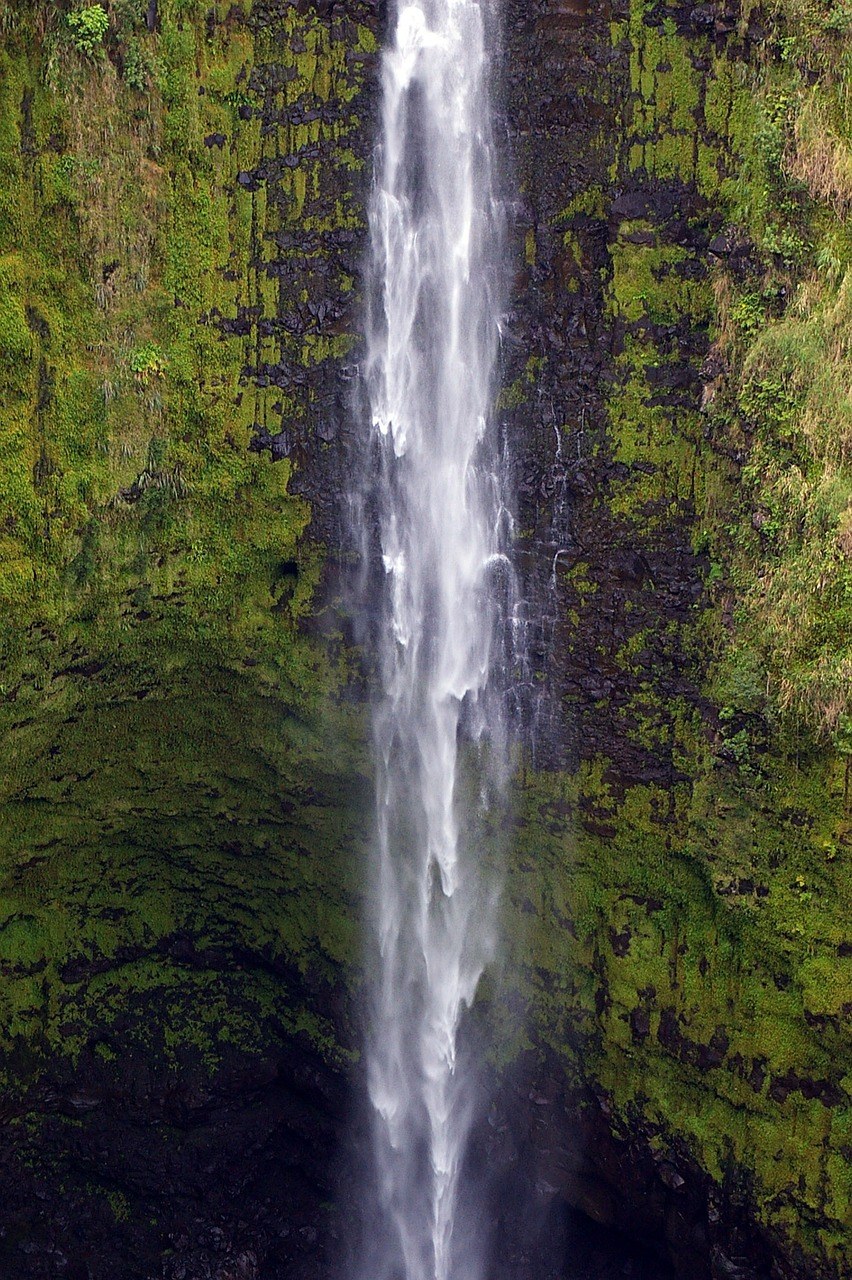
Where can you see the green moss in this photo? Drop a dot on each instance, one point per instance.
(602, 926)
(683, 947)
(128, 823)
(591, 201)
(174, 766)
(15, 338)
(520, 391)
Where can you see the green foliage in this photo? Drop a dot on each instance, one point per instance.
(722, 910)
(843, 735)
(221, 747)
(128, 16)
(740, 682)
(148, 361)
(88, 27)
(138, 67)
(793, 398)
(720, 900)
(749, 314)
(165, 699)
(141, 538)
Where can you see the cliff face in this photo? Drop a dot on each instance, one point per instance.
(684, 501)
(185, 782)
(182, 787)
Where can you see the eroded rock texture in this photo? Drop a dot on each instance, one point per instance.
(667, 837)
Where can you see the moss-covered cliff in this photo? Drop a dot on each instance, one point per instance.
(685, 529)
(184, 791)
(181, 782)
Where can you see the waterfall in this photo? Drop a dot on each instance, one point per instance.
(436, 242)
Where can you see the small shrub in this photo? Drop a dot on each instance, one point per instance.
(839, 20)
(741, 684)
(843, 737)
(148, 361)
(127, 16)
(88, 28)
(137, 65)
(749, 314)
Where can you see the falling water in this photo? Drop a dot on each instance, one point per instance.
(436, 250)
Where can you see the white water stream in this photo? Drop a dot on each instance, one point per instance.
(436, 227)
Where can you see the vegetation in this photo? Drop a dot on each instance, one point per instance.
(154, 569)
(88, 27)
(785, 334)
(694, 945)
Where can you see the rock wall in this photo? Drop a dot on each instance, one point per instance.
(681, 863)
(184, 787)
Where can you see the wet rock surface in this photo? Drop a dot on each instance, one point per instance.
(564, 127)
(194, 1173)
(591, 1197)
